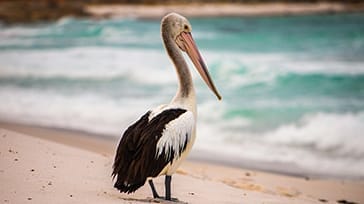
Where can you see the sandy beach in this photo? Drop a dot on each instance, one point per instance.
(43, 165)
(216, 10)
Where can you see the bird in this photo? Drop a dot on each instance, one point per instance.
(157, 143)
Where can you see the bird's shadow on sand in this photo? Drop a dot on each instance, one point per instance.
(154, 200)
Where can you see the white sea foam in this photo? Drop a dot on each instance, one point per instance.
(326, 144)
(64, 21)
(83, 112)
(142, 66)
(332, 134)
(17, 31)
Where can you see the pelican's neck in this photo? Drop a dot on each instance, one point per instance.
(185, 85)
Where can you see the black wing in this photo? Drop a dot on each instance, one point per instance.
(135, 158)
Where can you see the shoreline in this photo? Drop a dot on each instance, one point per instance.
(192, 177)
(106, 146)
(97, 143)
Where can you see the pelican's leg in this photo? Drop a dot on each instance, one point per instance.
(168, 187)
(155, 194)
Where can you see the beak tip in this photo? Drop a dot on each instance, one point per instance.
(219, 97)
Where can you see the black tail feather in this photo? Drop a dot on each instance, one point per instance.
(124, 187)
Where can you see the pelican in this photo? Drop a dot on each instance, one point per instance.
(160, 140)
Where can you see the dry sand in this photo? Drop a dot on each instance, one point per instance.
(213, 10)
(38, 170)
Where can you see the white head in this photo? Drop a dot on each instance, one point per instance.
(178, 28)
(174, 24)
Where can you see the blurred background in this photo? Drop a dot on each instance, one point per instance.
(291, 75)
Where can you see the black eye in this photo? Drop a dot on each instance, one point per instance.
(186, 27)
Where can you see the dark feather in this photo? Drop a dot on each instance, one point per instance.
(135, 158)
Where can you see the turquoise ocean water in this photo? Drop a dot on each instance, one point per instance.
(292, 87)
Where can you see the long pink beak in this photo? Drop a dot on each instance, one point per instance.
(192, 51)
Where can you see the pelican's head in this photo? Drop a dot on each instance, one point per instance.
(179, 29)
